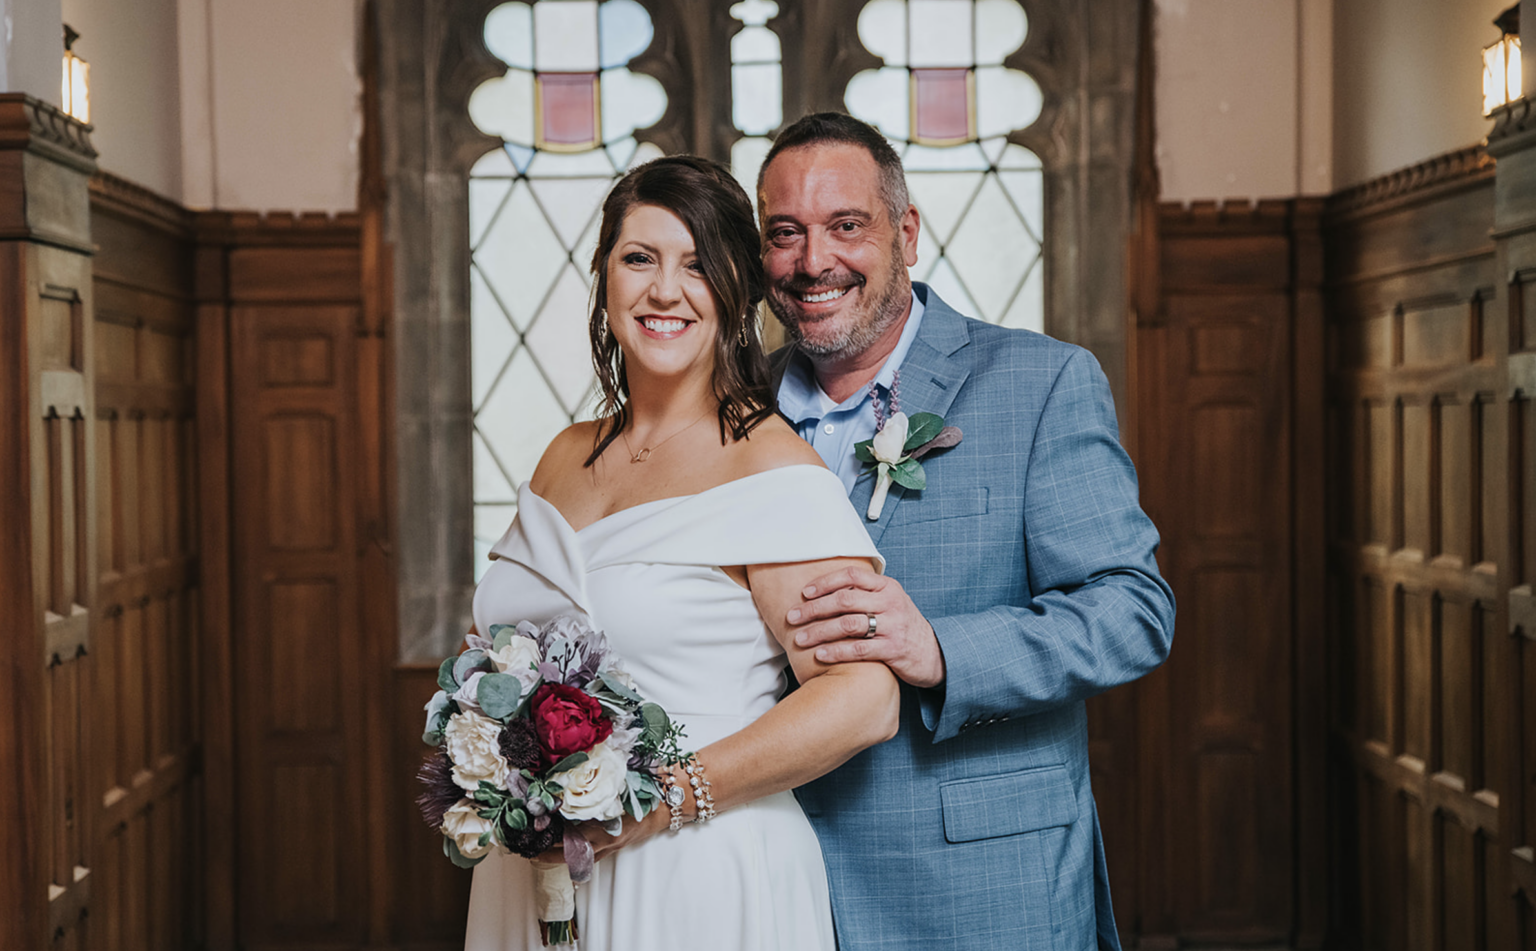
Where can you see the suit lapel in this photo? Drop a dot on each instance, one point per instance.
(931, 376)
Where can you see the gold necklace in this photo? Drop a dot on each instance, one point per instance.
(645, 451)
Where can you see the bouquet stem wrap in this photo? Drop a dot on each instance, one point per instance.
(554, 897)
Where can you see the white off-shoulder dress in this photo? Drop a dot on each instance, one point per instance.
(650, 578)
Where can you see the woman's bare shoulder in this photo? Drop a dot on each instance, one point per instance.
(565, 454)
(773, 445)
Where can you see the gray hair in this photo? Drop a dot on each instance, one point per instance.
(836, 128)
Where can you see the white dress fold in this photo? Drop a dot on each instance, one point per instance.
(650, 578)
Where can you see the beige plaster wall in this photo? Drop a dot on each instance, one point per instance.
(135, 87)
(1407, 81)
(1243, 97)
(31, 48)
(271, 104)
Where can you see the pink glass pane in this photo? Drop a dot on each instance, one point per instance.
(568, 109)
(941, 105)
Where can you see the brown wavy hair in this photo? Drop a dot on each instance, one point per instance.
(718, 215)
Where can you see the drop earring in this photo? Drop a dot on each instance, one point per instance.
(602, 336)
(742, 338)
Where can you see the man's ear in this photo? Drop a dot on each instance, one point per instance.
(909, 226)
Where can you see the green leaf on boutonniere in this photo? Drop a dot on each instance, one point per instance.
(499, 695)
(909, 475)
(570, 762)
(921, 428)
(445, 674)
(864, 451)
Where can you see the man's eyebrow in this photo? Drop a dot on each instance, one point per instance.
(858, 213)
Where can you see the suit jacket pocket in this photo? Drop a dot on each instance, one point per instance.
(937, 503)
(992, 806)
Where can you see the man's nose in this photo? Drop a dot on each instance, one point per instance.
(816, 253)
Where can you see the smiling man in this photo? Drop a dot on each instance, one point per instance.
(1020, 580)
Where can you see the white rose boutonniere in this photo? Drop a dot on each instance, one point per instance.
(594, 788)
(896, 449)
(474, 745)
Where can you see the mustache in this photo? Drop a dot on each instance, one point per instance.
(800, 283)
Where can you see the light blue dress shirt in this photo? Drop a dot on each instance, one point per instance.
(833, 429)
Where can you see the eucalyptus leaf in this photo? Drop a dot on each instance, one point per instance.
(517, 819)
(445, 674)
(921, 428)
(656, 721)
(499, 695)
(468, 663)
(502, 637)
(459, 858)
(570, 762)
(612, 683)
(909, 475)
(864, 451)
(434, 738)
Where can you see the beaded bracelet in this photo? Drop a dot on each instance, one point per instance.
(703, 801)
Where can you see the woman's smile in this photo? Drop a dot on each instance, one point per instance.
(663, 328)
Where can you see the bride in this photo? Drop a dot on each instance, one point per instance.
(685, 522)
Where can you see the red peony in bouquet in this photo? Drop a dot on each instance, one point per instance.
(537, 729)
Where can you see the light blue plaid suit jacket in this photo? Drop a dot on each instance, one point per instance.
(975, 827)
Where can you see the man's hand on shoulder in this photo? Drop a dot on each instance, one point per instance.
(836, 616)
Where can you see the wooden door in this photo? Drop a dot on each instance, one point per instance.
(299, 661)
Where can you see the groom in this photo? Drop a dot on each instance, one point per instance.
(1019, 582)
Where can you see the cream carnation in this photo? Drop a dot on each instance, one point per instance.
(462, 824)
(594, 789)
(474, 744)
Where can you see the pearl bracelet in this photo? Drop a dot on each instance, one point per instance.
(703, 801)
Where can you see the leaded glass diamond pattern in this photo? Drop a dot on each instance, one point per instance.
(981, 199)
(533, 220)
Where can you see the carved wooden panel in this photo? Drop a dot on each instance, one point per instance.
(148, 634)
(299, 655)
(1416, 527)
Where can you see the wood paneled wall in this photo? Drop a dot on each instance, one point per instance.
(1423, 432)
(48, 521)
(148, 633)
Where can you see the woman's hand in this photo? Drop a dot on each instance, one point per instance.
(604, 845)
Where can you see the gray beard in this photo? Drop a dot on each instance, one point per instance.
(860, 335)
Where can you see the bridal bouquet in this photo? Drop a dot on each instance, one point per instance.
(538, 729)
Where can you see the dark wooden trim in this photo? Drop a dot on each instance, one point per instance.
(121, 197)
(22, 738)
(221, 796)
(1429, 179)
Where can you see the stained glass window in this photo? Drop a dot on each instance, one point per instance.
(757, 87)
(946, 101)
(566, 109)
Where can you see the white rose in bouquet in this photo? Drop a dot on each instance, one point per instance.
(520, 658)
(474, 744)
(462, 824)
(594, 789)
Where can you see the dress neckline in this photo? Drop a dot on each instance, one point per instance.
(527, 487)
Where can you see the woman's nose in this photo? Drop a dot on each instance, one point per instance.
(666, 288)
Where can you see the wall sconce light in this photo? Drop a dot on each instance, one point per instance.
(77, 79)
(1501, 63)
